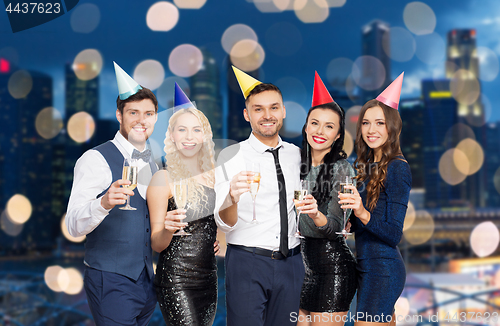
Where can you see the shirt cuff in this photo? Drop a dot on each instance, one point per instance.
(98, 212)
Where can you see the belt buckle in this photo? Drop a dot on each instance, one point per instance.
(276, 255)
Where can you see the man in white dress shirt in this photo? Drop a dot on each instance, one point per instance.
(264, 269)
(119, 272)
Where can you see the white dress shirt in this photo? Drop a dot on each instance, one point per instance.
(265, 234)
(92, 175)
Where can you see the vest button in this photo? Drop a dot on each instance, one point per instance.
(147, 230)
(146, 244)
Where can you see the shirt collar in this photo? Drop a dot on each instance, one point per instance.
(259, 146)
(125, 144)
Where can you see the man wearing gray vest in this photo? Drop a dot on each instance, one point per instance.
(119, 272)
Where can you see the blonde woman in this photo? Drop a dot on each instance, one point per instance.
(186, 275)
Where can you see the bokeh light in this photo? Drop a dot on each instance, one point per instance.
(75, 284)
(400, 45)
(419, 18)
(294, 121)
(368, 72)
(402, 307)
(488, 64)
(81, 127)
(20, 84)
(421, 230)
(48, 122)
(410, 216)
(10, 228)
(431, 48)
(270, 6)
(65, 232)
(337, 72)
(85, 18)
(294, 88)
(311, 11)
(484, 239)
(236, 33)
(335, 3)
(62, 279)
(283, 39)
(185, 60)
(150, 74)
(51, 276)
(19, 209)
(247, 55)
(351, 119)
(465, 87)
(165, 93)
(448, 169)
(348, 143)
(474, 153)
(352, 89)
(87, 64)
(457, 133)
(284, 4)
(190, 4)
(162, 16)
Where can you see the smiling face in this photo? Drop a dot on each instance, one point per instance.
(137, 122)
(187, 135)
(374, 129)
(322, 130)
(265, 112)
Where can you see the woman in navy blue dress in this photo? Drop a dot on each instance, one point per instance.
(379, 208)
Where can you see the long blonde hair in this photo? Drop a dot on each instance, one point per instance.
(177, 170)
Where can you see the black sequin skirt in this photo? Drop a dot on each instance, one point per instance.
(330, 280)
(186, 276)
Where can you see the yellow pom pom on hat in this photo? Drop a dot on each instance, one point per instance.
(126, 85)
(247, 82)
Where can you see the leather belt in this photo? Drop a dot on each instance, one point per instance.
(266, 252)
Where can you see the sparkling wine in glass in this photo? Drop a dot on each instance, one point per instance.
(130, 170)
(254, 185)
(344, 190)
(298, 195)
(181, 197)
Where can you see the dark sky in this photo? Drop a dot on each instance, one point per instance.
(122, 35)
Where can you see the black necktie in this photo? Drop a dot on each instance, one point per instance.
(283, 210)
(145, 156)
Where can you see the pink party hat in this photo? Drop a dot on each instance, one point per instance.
(390, 96)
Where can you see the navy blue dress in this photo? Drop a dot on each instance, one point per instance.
(380, 267)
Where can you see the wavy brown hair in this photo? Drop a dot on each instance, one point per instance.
(390, 151)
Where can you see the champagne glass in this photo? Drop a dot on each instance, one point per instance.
(344, 190)
(254, 185)
(300, 194)
(181, 196)
(130, 169)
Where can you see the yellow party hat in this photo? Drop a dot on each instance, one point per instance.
(247, 82)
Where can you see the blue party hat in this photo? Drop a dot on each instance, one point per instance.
(181, 101)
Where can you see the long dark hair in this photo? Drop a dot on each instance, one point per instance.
(390, 150)
(323, 186)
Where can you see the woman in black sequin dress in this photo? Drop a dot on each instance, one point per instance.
(186, 274)
(330, 281)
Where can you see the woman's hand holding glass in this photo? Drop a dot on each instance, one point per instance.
(309, 206)
(173, 220)
(353, 201)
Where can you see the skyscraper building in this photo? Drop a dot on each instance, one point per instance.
(412, 138)
(375, 43)
(461, 54)
(81, 95)
(205, 92)
(27, 158)
(444, 129)
(239, 128)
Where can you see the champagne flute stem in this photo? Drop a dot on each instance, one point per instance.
(345, 215)
(254, 218)
(298, 219)
(128, 200)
